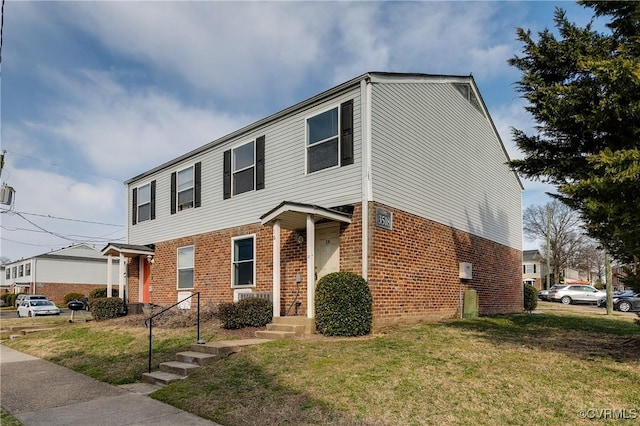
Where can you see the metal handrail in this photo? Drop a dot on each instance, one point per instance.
(150, 324)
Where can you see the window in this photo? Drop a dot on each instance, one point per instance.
(14, 272)
(322, 141)
(243, 269)
(530, 269)
(27, 270)
(144, 203)
(185, 267)
(21, 271)
(185, 188)
(243, 168)
(7, 274)
(330, 138)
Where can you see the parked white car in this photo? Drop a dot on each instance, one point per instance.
(576, 293)
(32, 308)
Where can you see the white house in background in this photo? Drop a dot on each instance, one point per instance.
(75, 269)
(534, 269)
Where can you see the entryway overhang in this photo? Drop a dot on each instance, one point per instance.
(293, 216)
(297, 216)
(123, 252)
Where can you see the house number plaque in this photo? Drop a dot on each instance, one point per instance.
(384, 218)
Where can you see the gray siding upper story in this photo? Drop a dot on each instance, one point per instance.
(437, 155)
(431, 152)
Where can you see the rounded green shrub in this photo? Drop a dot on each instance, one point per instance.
(97, 293)
(73, 296)
(530, 298)
(255, 312)
(9, 299)
(228, 313)
(343, 305)
(103, 308)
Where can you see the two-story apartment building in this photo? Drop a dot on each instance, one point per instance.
(75, 269)
(534, 269)
(401, 178)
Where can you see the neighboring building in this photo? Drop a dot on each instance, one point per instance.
(75, 269)
(534, 269)
(401, 178)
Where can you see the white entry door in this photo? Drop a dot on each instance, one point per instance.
(327, 249)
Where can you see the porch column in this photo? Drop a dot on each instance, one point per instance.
(311, 273)
(276, 268)
(121, 277)
(109, 274)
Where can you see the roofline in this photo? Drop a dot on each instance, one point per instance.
(355, 82)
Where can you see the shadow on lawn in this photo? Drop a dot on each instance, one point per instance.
(580, 336)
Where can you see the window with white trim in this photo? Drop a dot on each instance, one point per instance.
(144, 202)
(530, 268)
(243, 261)
(185, 188)
(21, 270)
(27, 269)
(7, 274)
(244, 168)
(323, 149)
(185, 267)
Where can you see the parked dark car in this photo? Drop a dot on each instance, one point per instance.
(602, 302)
(627, 304)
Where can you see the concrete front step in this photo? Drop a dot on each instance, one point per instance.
(161, 378)
(225, 347)
(275, 335)
(179, 368)
(297, 329)
(199, 358)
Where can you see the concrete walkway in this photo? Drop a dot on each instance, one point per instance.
(38, 392)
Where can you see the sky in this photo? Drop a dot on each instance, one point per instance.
(95, 93)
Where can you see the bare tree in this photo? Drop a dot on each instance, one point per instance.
(566, 236)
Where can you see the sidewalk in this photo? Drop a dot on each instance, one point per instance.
(38, 392)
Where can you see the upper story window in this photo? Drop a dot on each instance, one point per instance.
(185, 267)
(27, 269)
(7, 274)
(14, 272)
(243, 168)
(144, 202)
(529, 268)
(21, 271)
(243, 261)
(185, 188)
(330, 138)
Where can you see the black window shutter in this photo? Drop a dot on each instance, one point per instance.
(346, 133)
(173, 193)
(153, 199)
(134, 210)
(197, 184)
(226, 177)
(260, 163)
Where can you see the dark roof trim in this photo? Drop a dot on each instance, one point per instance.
(127, 249)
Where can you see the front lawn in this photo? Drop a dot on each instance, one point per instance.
(543, 368)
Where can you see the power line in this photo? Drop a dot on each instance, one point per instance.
(48, 216)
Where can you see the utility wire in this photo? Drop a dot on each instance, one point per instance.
(48, 216)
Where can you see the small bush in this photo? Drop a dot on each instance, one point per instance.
(343, 305)
(97, 293)
(530, 298)
(228, 313)
(255, 312)
(73, 296)
(249, 312)
(104, 308)
(9, 299)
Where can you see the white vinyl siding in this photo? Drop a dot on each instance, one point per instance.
(285, 180)
(436, 156)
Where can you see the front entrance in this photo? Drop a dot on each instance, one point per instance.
(327, 249)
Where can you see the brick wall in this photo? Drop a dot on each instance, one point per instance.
(56, 291)
(414, 271)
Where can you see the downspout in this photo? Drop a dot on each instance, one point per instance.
(367, 187)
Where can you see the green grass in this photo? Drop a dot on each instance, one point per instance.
(513, 369)
(7, 419)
